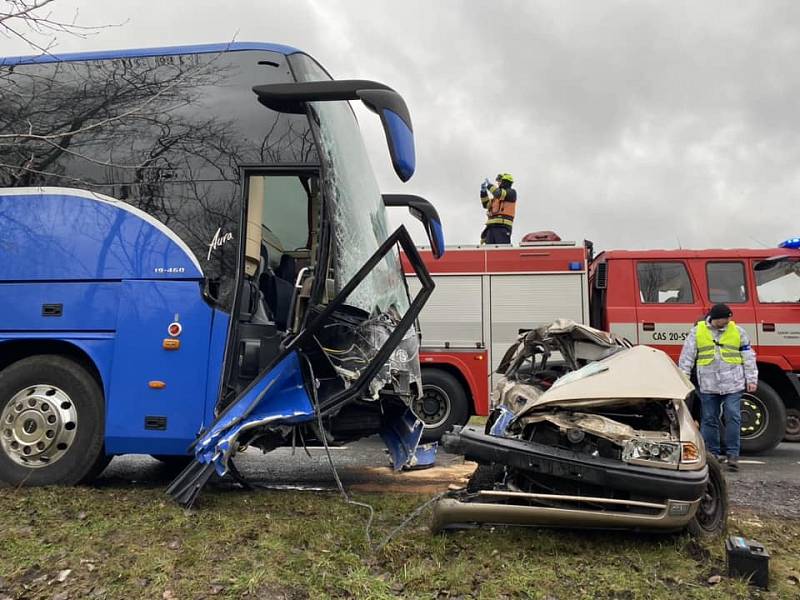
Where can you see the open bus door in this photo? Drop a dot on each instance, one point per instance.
(305, 385)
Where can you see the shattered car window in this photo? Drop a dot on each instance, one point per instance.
(582, 373)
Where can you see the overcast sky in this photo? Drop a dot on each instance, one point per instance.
(631, 123)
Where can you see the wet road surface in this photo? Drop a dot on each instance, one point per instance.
(770, 483)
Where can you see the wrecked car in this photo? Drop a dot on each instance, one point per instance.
(590, 432)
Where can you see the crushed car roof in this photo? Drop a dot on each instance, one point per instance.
(640, 372)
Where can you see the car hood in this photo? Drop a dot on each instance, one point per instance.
(632, 375)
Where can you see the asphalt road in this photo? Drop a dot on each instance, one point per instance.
(769, 483)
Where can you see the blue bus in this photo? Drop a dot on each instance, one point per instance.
(196, 258)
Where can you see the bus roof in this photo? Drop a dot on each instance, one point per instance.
(143, 52)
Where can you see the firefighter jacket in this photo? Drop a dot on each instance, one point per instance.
(500, 204)
(720, 368)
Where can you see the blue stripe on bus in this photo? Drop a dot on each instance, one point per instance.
(142, 52)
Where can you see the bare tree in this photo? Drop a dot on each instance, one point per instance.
(33, 22)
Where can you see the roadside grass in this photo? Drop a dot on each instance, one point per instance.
(131, 542)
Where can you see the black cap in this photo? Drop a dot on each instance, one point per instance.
(720, 311)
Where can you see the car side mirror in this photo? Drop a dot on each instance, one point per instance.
(379, 98)
(425, 212)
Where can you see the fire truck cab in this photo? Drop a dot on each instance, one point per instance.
(485, 294)
(654, 297)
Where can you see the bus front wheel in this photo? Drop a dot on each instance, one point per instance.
(51, 423)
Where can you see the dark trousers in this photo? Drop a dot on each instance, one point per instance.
(730, 406)
(497, 234)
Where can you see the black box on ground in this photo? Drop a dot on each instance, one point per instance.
(747, 559)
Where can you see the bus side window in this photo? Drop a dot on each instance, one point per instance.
(664, 283)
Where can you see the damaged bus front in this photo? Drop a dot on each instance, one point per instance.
(215, 208)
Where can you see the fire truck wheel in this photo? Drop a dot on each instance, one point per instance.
(763, 420)
(792, 433)
(51, 423)
(442, 405)
(711, 518)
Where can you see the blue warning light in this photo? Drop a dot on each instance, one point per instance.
(791, 243)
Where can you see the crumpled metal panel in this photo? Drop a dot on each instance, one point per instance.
(598, 425)
(279, 398)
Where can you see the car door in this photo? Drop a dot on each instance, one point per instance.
(777, 309)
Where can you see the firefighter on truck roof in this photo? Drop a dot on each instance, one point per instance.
(500, 202)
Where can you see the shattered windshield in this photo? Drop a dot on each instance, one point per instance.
(356, 206)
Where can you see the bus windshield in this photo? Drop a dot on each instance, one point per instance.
(355, 203)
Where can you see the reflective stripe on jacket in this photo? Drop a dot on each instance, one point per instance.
(729, 345)
(500, 204)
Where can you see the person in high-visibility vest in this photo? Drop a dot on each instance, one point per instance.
(500, 202)
(726, 367)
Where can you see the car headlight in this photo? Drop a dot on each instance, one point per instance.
(659, 452)
(690, 453)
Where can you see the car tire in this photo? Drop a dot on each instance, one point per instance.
(51, 423)
(792, 433)
(711, 518)
(763, 420)
(443, 404)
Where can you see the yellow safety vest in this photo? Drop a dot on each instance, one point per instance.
(729, 344)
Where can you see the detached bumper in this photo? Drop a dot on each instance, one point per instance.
(665, 500)
(671, 515)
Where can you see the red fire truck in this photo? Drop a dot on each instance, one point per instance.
(485, 294)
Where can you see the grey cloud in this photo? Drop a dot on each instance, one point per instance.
(635, 124)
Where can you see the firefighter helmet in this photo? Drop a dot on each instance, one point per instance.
(506, 177)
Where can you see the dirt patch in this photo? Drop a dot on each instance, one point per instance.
(425, 481)
(779, 498)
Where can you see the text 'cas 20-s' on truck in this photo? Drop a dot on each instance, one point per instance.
(485, 294)
(195, 253)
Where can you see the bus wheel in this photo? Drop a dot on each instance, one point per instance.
(51, 422)
(792, 433)
(763, 420)
(443, 404)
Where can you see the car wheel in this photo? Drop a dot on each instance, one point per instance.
(443, 404)
(763, 420)
(711, 518)
(51, 423)
(792, 433)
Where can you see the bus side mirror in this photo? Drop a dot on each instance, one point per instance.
(379, 98)
(425, 212)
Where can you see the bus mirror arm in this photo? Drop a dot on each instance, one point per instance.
(425, 212)
(379, 98)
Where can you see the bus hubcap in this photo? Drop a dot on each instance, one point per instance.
(433, 408)
(754, 417)
(38, 426)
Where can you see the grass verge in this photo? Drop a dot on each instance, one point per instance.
(131, 542)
